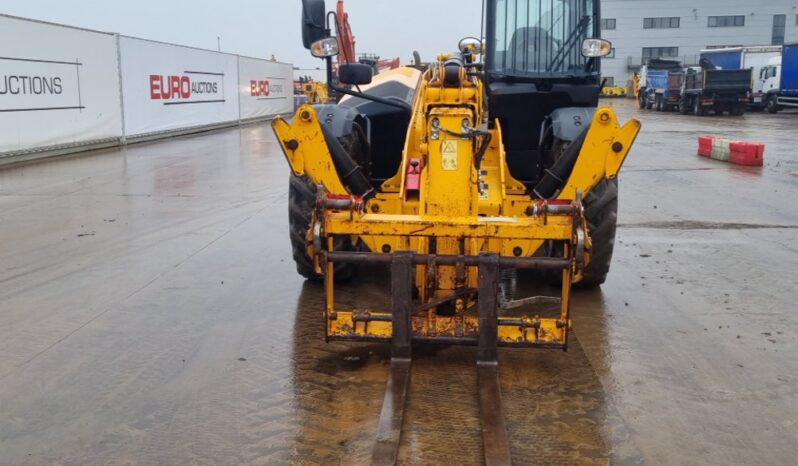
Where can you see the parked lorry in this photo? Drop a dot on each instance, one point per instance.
(707, 88)
(654, 81)
(667, 99)
(738, 58)
(780, 80)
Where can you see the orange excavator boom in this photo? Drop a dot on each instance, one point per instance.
(346, 41)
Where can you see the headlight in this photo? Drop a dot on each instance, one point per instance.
(325, 48)
(470, 45)
(596, 48)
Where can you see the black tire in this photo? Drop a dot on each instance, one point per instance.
(601, 212)
(738, 110)
(772, 105)
(698, 109)
(301, 200)
(683, 106)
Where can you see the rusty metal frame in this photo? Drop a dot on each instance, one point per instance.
(373, 325)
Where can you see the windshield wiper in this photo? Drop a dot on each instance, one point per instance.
(575, 35)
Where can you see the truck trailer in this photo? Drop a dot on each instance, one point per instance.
(779, 80)
(654, 80)
(667, 100)
(706, 88)
(738, 58)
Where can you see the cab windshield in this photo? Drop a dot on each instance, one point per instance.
(541, 37)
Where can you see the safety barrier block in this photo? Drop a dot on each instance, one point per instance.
(747, 153)
(736, 152)
(705, 145)
(720, 149)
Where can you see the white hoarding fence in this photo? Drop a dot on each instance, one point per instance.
(59, 86)
(65, 88)
(265, 88)
(169, 87)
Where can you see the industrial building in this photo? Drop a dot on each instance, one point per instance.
(680, 29)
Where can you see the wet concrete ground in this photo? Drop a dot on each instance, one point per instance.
(150, 314)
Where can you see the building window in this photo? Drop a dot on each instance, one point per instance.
(607, 24)
(779, 24)
(661, 23)
(726, 21)
(723, 46)
(659, 52)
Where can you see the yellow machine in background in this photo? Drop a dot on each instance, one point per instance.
(450, 173)
(614, 91)
(316, 92)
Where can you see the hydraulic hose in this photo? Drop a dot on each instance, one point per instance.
(351, 174)
(556, 175)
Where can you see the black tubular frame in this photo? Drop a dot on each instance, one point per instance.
(392, 103)
(490, 39)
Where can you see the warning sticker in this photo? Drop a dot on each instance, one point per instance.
(449, 154)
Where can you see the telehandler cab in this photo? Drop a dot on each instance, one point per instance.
(493, 157)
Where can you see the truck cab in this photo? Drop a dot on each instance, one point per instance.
(770, 76)
(739, 58)
(780, 80)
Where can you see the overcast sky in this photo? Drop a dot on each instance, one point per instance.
(263, 27)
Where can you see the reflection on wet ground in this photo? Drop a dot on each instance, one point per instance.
(150, 314)
(552, 399)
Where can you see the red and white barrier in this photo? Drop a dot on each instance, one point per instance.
(747, 153)
(727, 150)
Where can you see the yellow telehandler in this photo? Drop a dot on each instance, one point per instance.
(493, 157)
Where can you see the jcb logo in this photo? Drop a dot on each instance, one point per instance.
(259, 88)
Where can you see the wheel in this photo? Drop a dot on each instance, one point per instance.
(301, 200)
(601, 212)
(682, 107)
(771, 105)
(649, 104)
(698, 110)
(641, 100)
(738, 110)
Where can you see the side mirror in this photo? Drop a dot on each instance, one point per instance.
(313, 20)
(355, 73)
